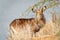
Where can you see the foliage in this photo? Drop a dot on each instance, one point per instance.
(58, 34)
(41, 3)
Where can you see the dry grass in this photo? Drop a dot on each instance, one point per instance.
(50, 37)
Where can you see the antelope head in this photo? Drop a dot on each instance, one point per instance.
(39, 12)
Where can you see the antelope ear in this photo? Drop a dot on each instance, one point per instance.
(44, 8)
(33, 10)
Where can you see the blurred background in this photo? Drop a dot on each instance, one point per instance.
(12, 9)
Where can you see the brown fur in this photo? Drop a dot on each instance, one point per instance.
(17, 23)
(34, 23)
